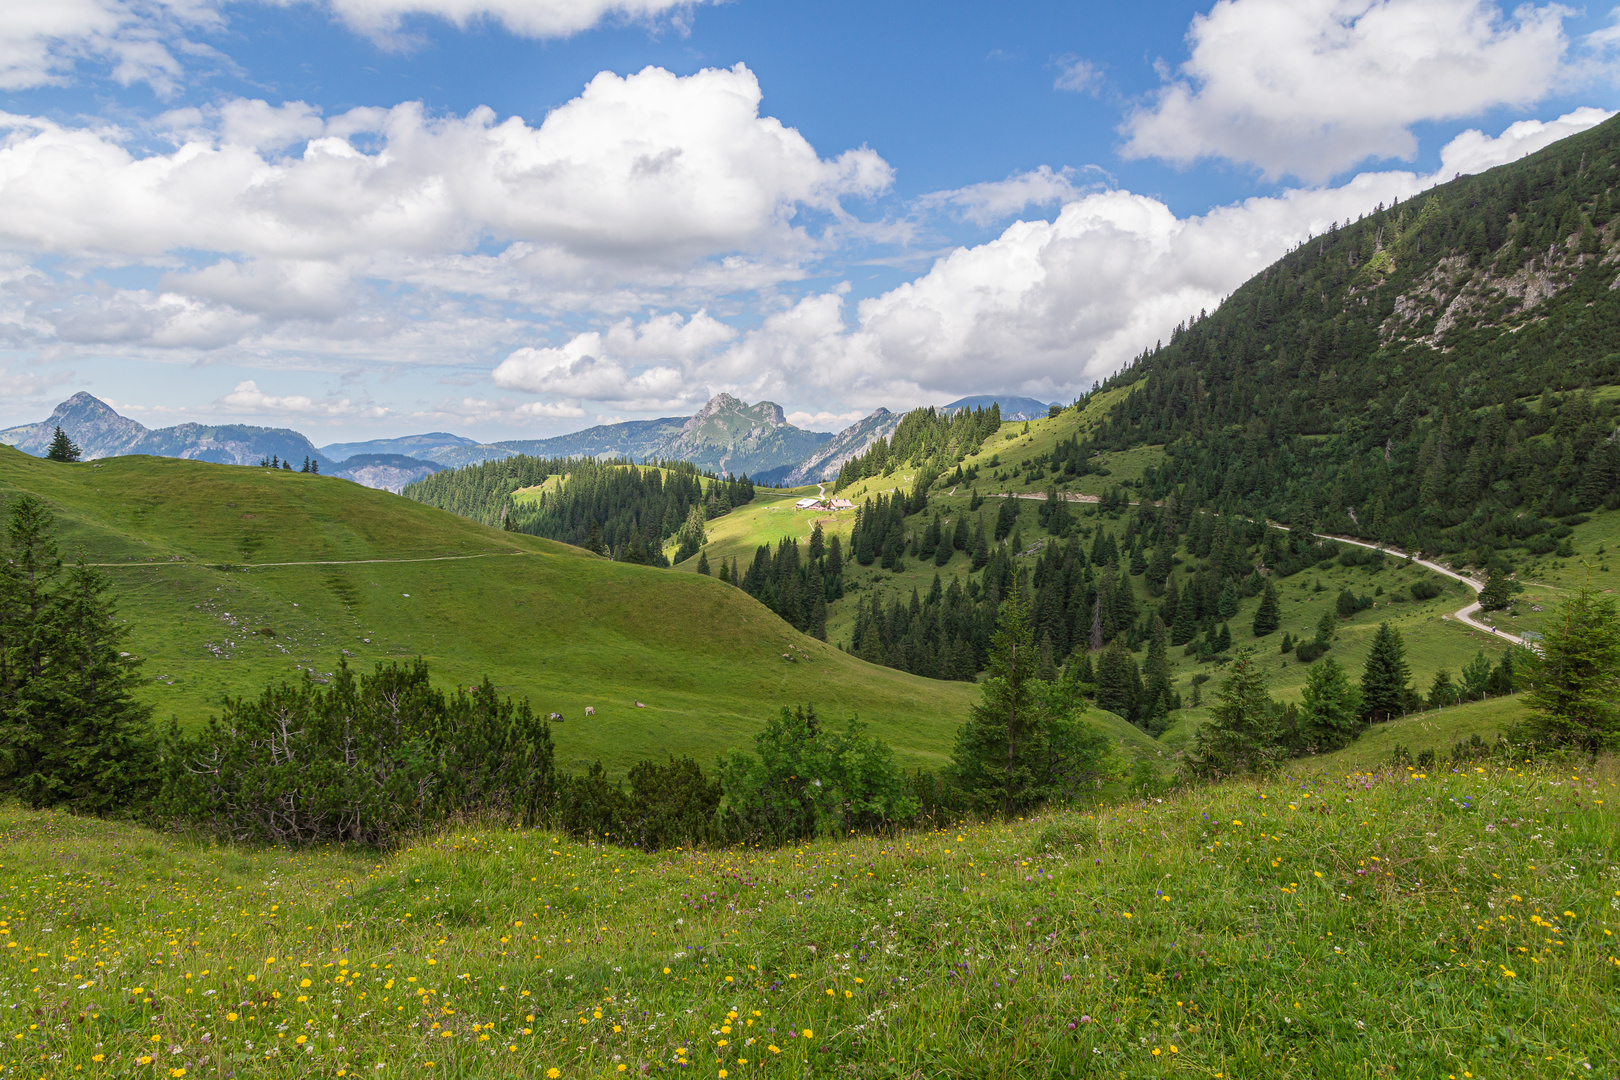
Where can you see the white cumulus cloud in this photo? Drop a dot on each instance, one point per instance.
(42, 42)
(529, 18)
(995, 200)
(1311, 87)
(645, 189)
(1046, 308)
(248, 398)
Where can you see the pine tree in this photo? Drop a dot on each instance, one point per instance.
(999, 749)
(1326, 630)
(1268, 616)
(1575, 680)
(71, 732)
(1330, 709)
(725, 572)
(62, 448)
(593, 542)
(1119, 685)
(1226, 605)
(1185, 627)
(1241, 733)
(703, 562)
(1157, 696)
(1498, 591)
(1384, 678)
(1158, 569)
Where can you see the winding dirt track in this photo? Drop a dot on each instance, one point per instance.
(319, 562)
(1465, 615)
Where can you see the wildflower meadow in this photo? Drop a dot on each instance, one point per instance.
(1457, 923)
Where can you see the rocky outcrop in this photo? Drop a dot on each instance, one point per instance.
(851, 442)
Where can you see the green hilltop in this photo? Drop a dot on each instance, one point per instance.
(233, 577)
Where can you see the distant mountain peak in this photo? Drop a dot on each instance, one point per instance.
(722, 407)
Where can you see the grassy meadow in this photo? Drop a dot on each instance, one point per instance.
(193, 551)
(1452, 923)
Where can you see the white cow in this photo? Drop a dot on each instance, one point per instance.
(590, 710)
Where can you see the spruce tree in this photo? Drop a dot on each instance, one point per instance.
(999, 750)
(1186, 624)
(1157, 696)
(1119, 685)
(1498, 591)
(1575, 679)
(1241, 733)
(71, 733)
(62, 448)
(703, 562)
(1384, 678)
(1268, 616)
(1330, 710)
(1326, 630)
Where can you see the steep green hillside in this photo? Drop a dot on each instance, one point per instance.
(194, 552)
(1437, 375)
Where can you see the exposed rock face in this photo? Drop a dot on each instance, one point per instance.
(731, 436)
(90, 422)
(851, 442)
(100, 432)
(388, 472)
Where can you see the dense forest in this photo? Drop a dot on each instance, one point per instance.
(613, 507)
(1424, 376)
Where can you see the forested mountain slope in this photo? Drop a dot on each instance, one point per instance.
(1437, 374)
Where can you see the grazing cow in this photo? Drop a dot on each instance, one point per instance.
(639, 705)
(590, 710)
(555, 716)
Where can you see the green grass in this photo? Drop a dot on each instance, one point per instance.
(1437, 729)
(543, 620)
(1431, 924)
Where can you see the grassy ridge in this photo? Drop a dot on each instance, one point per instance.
(1321, 924)
(542, 619)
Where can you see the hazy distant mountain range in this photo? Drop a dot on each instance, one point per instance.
(726, 436)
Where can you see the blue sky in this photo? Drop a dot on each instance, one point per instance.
(512, 218)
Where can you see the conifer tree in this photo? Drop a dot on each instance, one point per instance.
(1185, 627)
(1330, 709)
(703, 563)
(1498, 591)
(62, 448)
(1157, 697)
(999, 748)
(1241, 733)
(1574, 682)
(1119, 684)
(1384, 678)
(1326, 630)
(71, 733)
(1268, 616)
